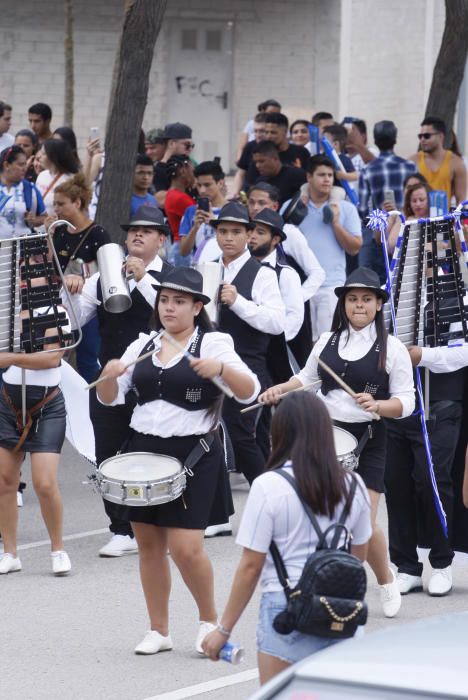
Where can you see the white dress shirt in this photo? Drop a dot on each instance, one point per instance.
(86, 303)
(444, 359)
(265, 312)
(341, 406)
(291, 292)
(297, 247)
(162, 418)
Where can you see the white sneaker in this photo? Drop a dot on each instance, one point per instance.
(205, 628)
(9, 563)
(61, 563)
(222, 530)
(154, 642)
(390, 597)
(408, 583)
(440, 582)
(119, 545)
(19, 499)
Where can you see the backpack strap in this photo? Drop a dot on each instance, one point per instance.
(344, 514)
(306, 507)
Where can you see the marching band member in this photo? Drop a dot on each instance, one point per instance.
(42, 436)
(407, 479)
(377, 367)
(146, 233)
(177, 414)
(251, 311)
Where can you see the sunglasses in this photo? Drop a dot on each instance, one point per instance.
(189, 146)
(426, 135)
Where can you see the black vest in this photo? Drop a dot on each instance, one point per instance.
(250, 344)
(119, 330)
(361, 375)
(446, 386)
(278, 363)
(178, 385)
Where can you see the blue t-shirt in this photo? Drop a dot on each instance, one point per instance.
(323, 242)
(138, 201)
(205, 231)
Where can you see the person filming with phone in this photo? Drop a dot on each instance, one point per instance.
(195, 230)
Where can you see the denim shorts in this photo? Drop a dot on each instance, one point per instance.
(287, 647)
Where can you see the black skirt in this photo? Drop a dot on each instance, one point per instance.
(207, 497)
(372, 458)
(47, 432)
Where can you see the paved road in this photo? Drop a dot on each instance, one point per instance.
(72, 638)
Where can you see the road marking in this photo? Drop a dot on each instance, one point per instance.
(67, 538)
(208, 686)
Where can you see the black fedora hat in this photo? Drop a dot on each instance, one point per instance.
(148, 216)
(185, 279)
(363, 278)
(271, 219)
(235, 212)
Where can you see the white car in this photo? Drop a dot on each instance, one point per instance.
(424, 660)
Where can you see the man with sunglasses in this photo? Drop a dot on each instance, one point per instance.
(442, 168)
(178, 139)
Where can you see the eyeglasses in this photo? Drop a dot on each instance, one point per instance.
(426, 135)
(189, 146)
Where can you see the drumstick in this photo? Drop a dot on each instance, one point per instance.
(225, 389)
(304, 387)
(342, 384)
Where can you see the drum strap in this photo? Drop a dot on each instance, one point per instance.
(201, 448)
(367, 435)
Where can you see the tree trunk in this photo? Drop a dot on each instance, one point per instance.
(450, 64)
(69, 68)
(142, 22)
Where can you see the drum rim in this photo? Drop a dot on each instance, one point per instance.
(348, 434)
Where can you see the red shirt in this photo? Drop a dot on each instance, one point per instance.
(175, 204)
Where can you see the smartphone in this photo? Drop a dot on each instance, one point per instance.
(203, 203)
(94, 133)
(389, 196)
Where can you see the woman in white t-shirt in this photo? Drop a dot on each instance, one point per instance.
(59, 164)
(302, 441)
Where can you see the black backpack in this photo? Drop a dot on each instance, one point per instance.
(328, 600)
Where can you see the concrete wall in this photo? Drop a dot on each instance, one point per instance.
(368, 58)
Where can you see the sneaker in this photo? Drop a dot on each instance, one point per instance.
(408, 583)
(19, 499)
(154, 642)
(9, 563)
(222, 530)
(390, 597)
(440, 582)
(119, 545)
(61, 563)
(205, 628)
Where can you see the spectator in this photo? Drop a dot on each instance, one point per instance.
(6, 139)
(59, 165)
(442, 168)
(300, 135)
(27, 139)
(383, 176)
(321, 120)
(155, 144)
(286, 178)
(23, 207)
(142, 181)
(195, 230)
(337, 136)
(179, 142)
(180, 171)
(243, 162)
(416, 206)
(248, 132)
(276, 130)
(356, 144)
(65, 133)
(331, 229)
(302, 443)
(40, 116)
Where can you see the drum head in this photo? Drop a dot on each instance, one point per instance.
(344, 441)
(140, 466)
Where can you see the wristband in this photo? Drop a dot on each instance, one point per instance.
(222, 630)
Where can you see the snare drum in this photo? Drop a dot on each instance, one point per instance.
(141, 479)
(345, 446)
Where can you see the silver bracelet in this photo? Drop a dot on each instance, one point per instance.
(223, 630)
